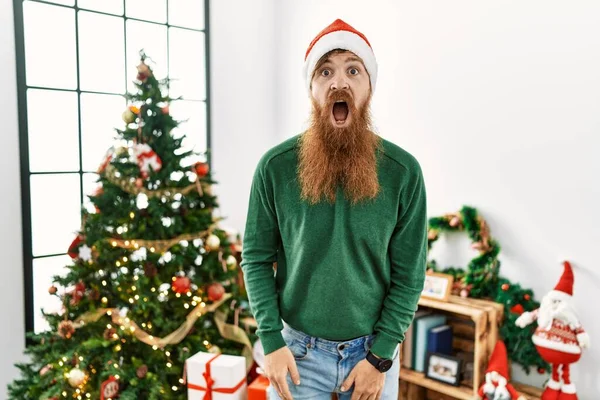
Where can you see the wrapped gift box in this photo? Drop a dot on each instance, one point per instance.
(221, 375)
(258, 388)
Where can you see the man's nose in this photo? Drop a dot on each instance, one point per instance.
(339, 83)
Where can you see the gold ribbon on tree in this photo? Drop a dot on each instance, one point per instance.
(173, 338)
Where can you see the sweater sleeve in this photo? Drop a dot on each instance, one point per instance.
(259, 252)
(408, 255)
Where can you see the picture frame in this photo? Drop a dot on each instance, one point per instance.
(437, 286)
(443, 368)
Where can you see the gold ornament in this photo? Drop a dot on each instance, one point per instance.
(231, 261)
(214, 349)
(213, 242)
(128, 116)
(76, 377)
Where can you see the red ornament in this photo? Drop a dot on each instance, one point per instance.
(139, 182)
(73, 248)
(52, 289)
(215, 291)
(165, 110)
(201, 169)
(77, 293)
(181, 284)
(517, 309)
(541, 370)
(143, 72)
(505, 286)
(109, 388)
(527, 297)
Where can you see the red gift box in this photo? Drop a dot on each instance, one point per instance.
(258, 388)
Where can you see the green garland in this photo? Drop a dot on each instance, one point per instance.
(481, 279)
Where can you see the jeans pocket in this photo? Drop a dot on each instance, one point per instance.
(299, 349)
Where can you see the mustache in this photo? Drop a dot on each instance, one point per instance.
(340, 95)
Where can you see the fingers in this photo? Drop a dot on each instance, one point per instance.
(348, 383)
(285, 389)
(277, 388)
(294, 374)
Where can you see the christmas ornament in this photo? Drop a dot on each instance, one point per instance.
(340, 35)
(527, 297)
(214, 349)
(76, 377)
(165, 110)
(454, 222)
(541, 370)
(109, 389)
(517, 309)
(77, 293)
(559, 337)
(139, 182)
(215, 291)
(85, 253)
(94, 295)
(496, 386)
(45, 369)
(181, 284)
(464, 293)
(505, 286)
(143, 72)
(213, 242)
(201, 169)
(231, 261)
(432, 234)
(147, 159)
(142, 371)
(66, 329)
(128, 116)
(52, 289)
(73, 250)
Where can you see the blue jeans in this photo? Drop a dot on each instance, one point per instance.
(324, 365)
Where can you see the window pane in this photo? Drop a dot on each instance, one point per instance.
(153, 39)
(187, 67)
(149, 10)
(49, 33)
(65, 2)
(55, 212)
(90, 183)
(53, 130)
(101, 49)
(194, 128)
(187, 13)
(100, 115)
(107, 6)
(43, 271)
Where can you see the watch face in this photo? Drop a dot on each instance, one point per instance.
(385, 365)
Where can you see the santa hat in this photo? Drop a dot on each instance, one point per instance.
(499, 360)
(340, 35)
(564, 288)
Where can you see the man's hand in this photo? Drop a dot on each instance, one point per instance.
(277, 365)
(368, 382)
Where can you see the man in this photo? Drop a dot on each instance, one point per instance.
(343, 214)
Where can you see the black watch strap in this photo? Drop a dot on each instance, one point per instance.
(381, 364)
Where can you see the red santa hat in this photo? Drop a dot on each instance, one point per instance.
(564, 288)
(499, 360)
(340, 35)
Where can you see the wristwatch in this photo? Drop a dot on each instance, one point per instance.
(381, 364)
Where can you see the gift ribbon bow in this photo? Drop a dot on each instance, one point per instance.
(210, 382)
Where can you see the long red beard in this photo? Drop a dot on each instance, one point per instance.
(331, 156)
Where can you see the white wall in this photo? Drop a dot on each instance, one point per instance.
(243, 98)
(499, 102)
(12, 337)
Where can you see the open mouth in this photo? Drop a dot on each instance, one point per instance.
(340, 112)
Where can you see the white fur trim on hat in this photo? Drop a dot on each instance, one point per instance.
(559, 295)
(344, 40)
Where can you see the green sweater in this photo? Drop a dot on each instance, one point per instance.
(342, 271)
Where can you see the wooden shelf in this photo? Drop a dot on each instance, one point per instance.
(418, 378)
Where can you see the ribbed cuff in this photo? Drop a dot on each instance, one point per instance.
(384, 346)
(272, 341)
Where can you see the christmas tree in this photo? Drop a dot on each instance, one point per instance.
(154, 279)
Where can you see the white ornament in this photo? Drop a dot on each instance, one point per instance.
(141, 201)
(85, 253)
(164, 287)
(139, 255)
(166, 221)
(197, 242)
(76, 377)
(231, 261)
(213, 242)
(198, 260)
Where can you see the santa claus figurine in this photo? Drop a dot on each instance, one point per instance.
(496, 386)
(559, 337)
(147, 159)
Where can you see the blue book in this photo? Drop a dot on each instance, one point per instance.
(421, 330)
(439, 340)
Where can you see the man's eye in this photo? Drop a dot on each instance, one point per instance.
(353, 71)
(326, 72)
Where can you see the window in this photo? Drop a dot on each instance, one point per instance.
(76, 59)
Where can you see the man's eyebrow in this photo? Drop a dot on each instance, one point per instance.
(352, 58)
